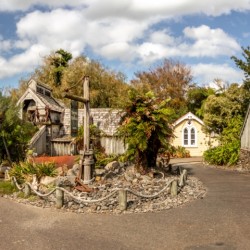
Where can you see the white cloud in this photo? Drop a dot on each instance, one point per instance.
(209, 42)
(197, 42)
(162, 37)
(5, 45)
(206, 73)
(122, 30)
(24, 5)
(25, 62)
(121, 50)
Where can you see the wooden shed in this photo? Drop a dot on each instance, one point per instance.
(245, 142)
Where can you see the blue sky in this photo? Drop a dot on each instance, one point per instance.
(127, 35)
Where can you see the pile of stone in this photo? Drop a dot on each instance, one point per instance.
(115, 176)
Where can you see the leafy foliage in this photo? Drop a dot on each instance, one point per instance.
(244, 65)
(223, 155)
(227, 153)
(170, 79)
(6, 187)
(145, 128)
(14, 133)
(220, 108)
(24, 170)
(196, 97)
(60, 71)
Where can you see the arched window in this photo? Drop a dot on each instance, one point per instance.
(189, 136)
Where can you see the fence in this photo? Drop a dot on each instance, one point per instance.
(121, 193)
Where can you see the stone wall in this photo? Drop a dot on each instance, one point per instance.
(244, 161)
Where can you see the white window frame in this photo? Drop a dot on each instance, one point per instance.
(189, 129)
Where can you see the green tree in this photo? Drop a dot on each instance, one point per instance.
(196, 96)
(107, 88)
(51, 72)
(223, 115)
(146, 127)
(170, 79)
(220, 108)
(14, 133)
(227, 153)
(244, 65)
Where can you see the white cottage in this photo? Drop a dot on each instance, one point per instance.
(189, 133)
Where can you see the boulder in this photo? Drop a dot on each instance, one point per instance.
(48, 180)
(112, 166)
(76, 168)
(100, 171)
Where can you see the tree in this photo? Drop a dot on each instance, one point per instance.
(107, 87)
(168, 80)
(51, 72)
(146, 127)
(196, 96)
(14, 133)
(245, 66)
(220, 108)
(224, 115)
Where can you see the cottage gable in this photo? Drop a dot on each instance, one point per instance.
(38, 104)
(189, 133)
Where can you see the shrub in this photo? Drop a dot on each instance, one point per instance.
(23, 170)
(223, 155)
(6, 187)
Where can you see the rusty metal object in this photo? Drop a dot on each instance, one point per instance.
(82, 187)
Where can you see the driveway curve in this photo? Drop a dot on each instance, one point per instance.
(219, 221)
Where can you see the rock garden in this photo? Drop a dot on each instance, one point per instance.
(159, 189)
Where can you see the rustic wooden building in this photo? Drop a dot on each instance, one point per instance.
(245, 142)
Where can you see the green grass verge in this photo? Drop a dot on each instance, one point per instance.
(6, 187)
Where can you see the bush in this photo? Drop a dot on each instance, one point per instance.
(6, 187)
(223, 155)
(23, 170)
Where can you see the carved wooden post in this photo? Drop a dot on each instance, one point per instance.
(122, 199)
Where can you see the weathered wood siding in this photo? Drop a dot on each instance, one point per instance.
(105, 119)
(245, 133)
(38, 141)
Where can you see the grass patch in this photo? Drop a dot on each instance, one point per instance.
(6, 187)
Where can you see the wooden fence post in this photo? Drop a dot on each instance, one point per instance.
(122, 199)
(59, 198)
(27, 190)
(174, 188)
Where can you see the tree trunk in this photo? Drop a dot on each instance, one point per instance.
(6, 149)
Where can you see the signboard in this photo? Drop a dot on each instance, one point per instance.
(74, 118)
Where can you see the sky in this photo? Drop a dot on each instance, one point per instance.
(128, 36)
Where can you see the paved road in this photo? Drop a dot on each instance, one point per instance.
(219, 221)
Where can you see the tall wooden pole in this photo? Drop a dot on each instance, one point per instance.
(86, 113)
(87, 161)
(88, 154)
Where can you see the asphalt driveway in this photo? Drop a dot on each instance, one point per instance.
(219, 221)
